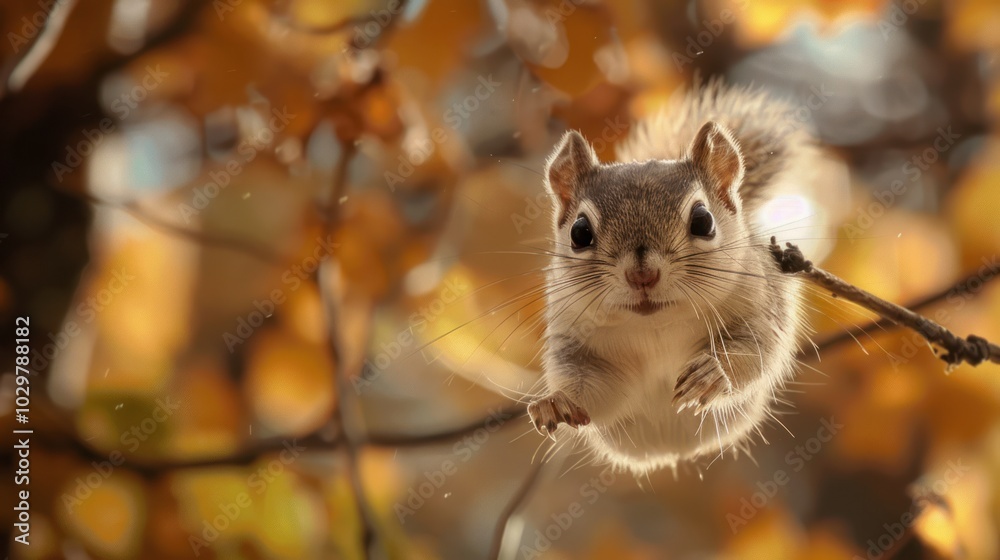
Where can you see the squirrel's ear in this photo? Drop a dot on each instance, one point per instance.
(716, 153)
(571, 160)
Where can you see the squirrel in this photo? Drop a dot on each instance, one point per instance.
(670, 329)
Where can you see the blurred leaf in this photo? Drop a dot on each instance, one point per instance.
(975, 24)
(973, 202)
(111, 521)
(289, 382)
(541, 34)
(213, 420)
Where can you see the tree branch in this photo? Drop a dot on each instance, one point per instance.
(512, 507)
(352, 441)
(208, 239)
(964, 286)
(973, 349)
(151, 467)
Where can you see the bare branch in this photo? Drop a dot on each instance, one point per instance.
(207, 239)
(62, 436)
(962, 287)
(150, 468)
(973, 349)
(446, 436)
(324, 280)
(515, 504)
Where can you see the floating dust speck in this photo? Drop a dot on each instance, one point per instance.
(343, 199)
(246, 195)
(447, 495)
(119, 406)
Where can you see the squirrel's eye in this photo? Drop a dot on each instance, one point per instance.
(580, 234)
(702, 222)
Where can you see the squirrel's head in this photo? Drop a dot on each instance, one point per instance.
(645, 236)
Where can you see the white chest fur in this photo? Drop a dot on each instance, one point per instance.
(641, 427)
(652, 349)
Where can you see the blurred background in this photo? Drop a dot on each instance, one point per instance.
(281, 262)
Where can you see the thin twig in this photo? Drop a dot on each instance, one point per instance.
(512, 507)
(67, 438)
(446, 436)
(207, 239)
(151, 468)
(961, 288)
(352, 437)
(973, 349)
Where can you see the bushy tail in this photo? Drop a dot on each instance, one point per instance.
(776, 145)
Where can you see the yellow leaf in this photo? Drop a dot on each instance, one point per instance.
(111, 520)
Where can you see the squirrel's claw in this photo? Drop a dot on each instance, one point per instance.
(548, 412)
(702, 383)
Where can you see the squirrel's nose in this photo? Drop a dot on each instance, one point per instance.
(642, 278)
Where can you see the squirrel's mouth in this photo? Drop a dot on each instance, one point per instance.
(647, 306)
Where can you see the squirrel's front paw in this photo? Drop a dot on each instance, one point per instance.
(548, 412)
(702, 383)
